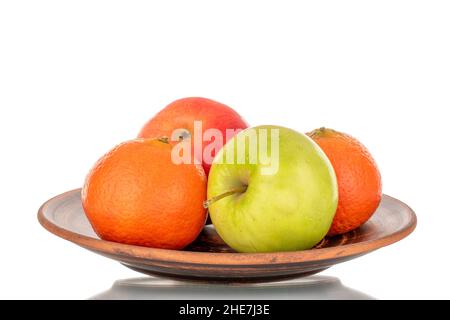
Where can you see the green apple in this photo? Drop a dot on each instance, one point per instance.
(271, 189)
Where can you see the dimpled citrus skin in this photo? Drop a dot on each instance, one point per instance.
(135, 194)
(359, 180)
(183, 112)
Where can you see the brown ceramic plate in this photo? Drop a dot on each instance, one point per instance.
(208, 258)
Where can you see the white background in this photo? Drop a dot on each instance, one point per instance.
(78, 77)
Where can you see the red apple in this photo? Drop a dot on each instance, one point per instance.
(177, 119)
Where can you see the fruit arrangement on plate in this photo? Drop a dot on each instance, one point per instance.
(200, 195)
(265, 188)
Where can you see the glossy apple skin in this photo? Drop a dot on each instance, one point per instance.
(182, 113)
(287, 211)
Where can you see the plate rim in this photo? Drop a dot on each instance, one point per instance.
(218, 258)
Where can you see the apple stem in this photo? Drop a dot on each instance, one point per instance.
(209, 202)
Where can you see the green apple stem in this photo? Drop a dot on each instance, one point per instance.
(209, 202)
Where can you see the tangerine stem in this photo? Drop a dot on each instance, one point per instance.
(163, 139)
(209, 202)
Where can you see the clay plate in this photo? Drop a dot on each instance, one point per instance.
(209, 258)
